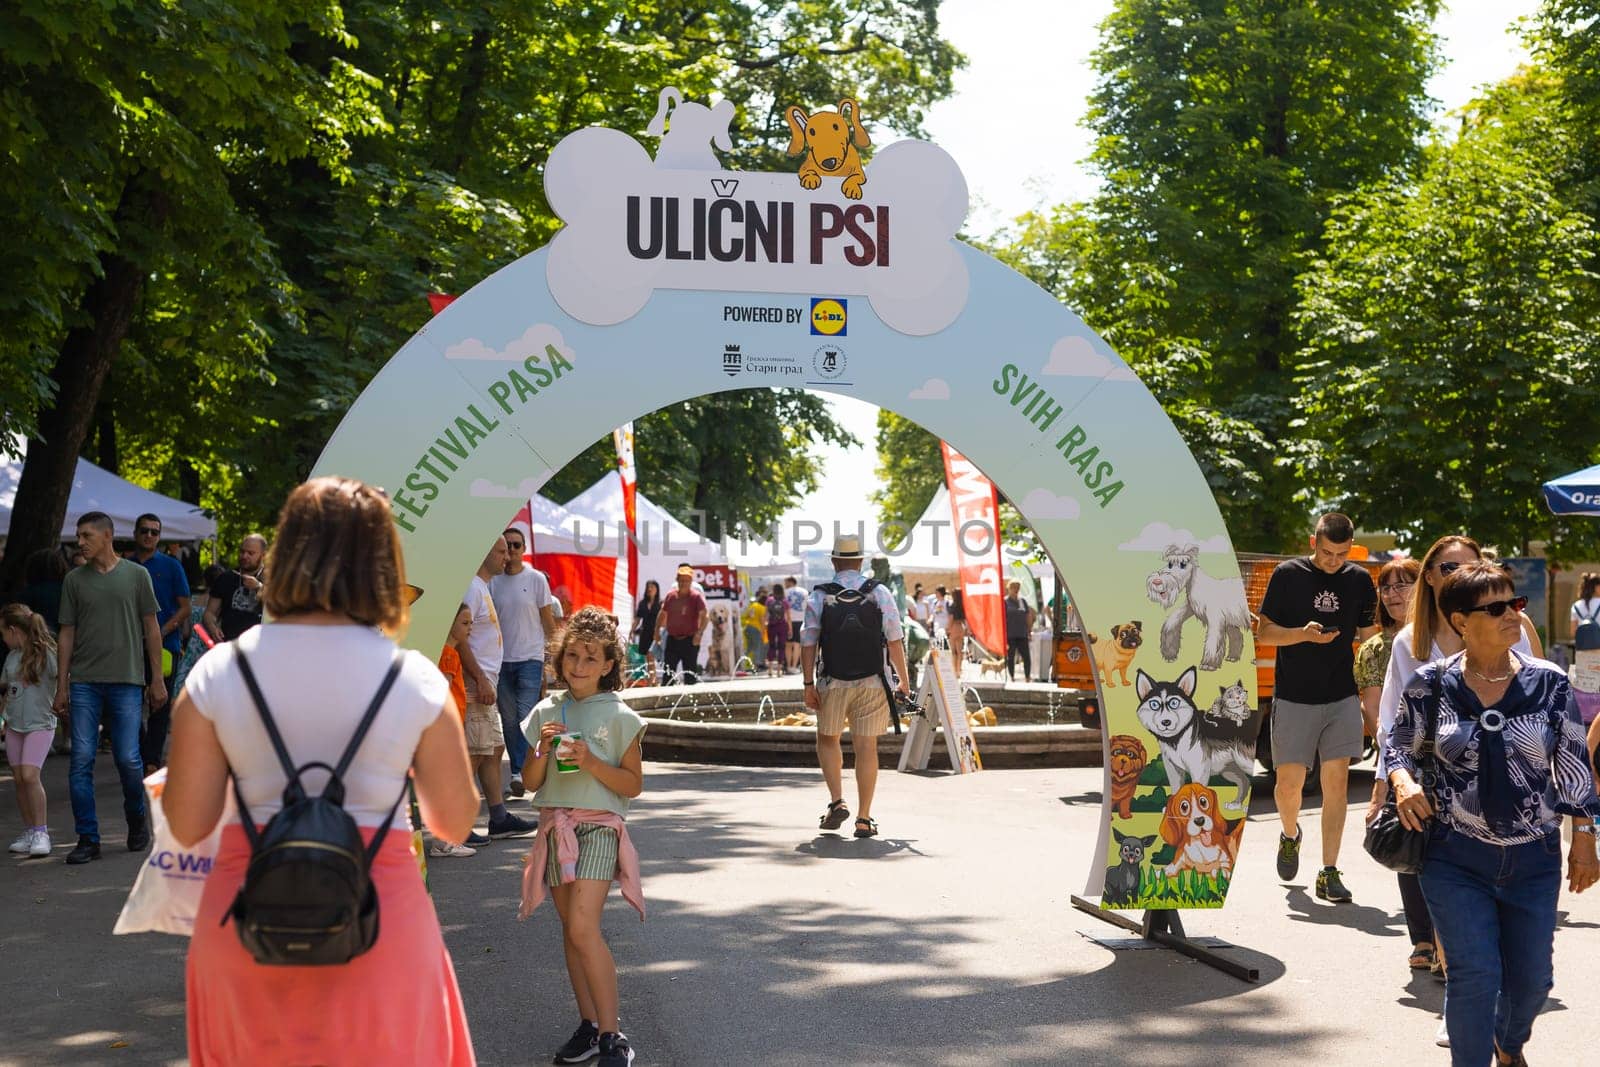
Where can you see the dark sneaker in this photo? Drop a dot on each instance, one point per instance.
(615, 1051)
(138, 837)
(476, 840)
(87, 850)
(582, 1045)
(1289, 855)
(1330, 888)
(511, 826)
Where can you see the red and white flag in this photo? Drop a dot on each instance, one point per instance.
(622, 436)
(975, 507)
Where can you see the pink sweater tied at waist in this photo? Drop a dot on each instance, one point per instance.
(562, 824)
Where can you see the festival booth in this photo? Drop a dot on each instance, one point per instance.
(673, 277)
(97, 489)
(582, 574)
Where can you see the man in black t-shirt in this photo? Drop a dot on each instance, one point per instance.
(234, 601)
(1315, 611)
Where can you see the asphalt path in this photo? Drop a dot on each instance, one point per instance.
(947, 941)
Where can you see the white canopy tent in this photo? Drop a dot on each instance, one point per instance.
(96, 489)
(664, 542)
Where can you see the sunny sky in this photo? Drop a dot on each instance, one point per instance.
(1014, 127)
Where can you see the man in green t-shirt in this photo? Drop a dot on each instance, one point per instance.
(109, 636)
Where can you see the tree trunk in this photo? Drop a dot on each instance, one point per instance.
(87, 353)
(106, 442)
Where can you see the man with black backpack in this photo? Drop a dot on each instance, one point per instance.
(852, 621)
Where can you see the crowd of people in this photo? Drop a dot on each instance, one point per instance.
(1480, 740)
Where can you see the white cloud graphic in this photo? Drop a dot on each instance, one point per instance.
(1043, 504)
(483, 487)
(932, 389)
(1075, 357)
(1158, 535)
(532, 342)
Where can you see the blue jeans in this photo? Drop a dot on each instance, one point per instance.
(516, 692)
(122, 707)
(1495, 910)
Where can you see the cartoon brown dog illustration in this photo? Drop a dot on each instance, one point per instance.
(1117, 653)
(1201, 839)
(1128, 757)
(830, 141)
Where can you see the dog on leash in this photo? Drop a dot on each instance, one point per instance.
(1117, 653)
(717, 655)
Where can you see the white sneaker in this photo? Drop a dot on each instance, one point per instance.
(1441, 1036)
(23, 843)
(41, 843)
(445, 848)
(515, 788)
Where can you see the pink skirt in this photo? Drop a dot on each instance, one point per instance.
(398, 1003)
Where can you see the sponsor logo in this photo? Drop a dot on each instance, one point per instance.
(829, 316)
(736, 362)
(829, 362)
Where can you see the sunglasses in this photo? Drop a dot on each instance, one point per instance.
(1496, 608)
(148, 531)
(1448, 569)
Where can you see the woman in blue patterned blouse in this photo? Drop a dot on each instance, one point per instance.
(1511, 760)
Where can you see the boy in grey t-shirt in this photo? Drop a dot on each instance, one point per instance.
(108, 617)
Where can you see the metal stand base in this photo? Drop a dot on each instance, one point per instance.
(1164, 927)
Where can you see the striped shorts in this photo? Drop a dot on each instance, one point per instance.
(597, 855)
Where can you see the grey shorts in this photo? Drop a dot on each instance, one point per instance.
(1302, 732)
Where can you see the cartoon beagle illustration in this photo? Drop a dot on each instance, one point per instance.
(1201, 839)
(830, 141)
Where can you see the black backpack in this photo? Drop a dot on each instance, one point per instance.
(1586, 635)
(307, 898)
(852, 631)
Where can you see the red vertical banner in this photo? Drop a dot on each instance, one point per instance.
(623, 438)
(975, 508)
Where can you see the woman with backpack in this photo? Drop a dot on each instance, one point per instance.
(1586, 609)
(308, 684)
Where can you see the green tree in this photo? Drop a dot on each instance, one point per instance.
(1225, 130)
(1451, 364)
(910, 470)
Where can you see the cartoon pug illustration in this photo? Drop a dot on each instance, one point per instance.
(1128, 759)
(1122, 881)
(1193, 750)
(1116, 653)
(830, 141)
(1201, 839)
(1218, 603)
(685, 143)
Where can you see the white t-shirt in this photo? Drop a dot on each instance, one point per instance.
(1591, 610)
(318, 681)
(1403, 663)
(485, 639)
(518, 598)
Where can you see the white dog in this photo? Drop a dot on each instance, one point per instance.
(1218, 604)
(686, 146)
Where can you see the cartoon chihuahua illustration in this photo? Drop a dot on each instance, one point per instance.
(830, 141)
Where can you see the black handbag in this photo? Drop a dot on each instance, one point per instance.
(1388, 840)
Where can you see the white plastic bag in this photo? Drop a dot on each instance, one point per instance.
(166, 895)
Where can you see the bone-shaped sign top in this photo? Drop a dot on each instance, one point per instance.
(633, 226)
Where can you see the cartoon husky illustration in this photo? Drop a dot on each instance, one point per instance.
(1194, 749)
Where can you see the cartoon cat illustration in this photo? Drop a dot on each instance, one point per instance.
(1233, 704)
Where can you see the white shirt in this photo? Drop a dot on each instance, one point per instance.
(1402, 665)
(1591, 610)
(518, 598)
(318, 681)
(485, 639)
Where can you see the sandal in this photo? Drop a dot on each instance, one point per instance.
(866, 828)
(835, 816)
(1422, 958)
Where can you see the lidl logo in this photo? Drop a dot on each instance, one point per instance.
(829, 317)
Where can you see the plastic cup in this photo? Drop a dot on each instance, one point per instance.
(566, 762)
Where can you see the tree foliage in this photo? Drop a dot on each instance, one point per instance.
(271, 189)
(1451, 363)
(910, 470)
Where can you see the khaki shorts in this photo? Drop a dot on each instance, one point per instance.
(484, 733)
(864, 706)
